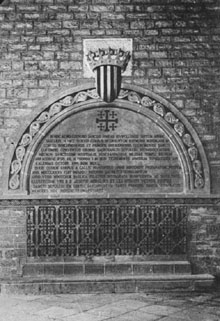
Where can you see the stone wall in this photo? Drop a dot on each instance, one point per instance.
(12, 241)
(204, 239)
(176, 54)
(176, 45)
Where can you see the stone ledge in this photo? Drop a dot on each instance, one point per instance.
(162, 199)
(109, 268)
(116, 284)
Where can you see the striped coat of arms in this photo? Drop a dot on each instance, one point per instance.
(108, 66)
(108, 82)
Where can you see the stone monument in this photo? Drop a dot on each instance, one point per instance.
(91, 157)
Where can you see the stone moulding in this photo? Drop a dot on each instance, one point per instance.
(155, 201)
(173, 123)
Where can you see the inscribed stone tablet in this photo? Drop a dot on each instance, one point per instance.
(106, 151)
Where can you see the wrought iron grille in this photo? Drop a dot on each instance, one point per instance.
(106, 230)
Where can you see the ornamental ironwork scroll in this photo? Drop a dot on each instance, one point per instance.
(103, 230)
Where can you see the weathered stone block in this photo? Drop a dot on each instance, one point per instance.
(37, 93)
(75, 65)
(151, 32)
(139, 73)
(48, 65)
(49, 83)
(64, 16)
(49, 47)
(112, 16)
(94, 268)
(141, 54)
(98, 32)
(54, 269)
(89, 24)
(80, 16)
(80, 8)
(45, 39)
(170, 31)
(6, 26)
(82, 33)
(73, 269)
(163, 268)
(17, 92)
(125, 286)
(71, 24)
(118, 268)
(158, 54)
(6, 9)
(101, 8)
(156, 72)
(113, 32)
(33, 269)
(2, 93)
(123, 7)
(32, 16)
(164, 24)
(142, 269)
(5, 66)
(138, 24)
(105, 1)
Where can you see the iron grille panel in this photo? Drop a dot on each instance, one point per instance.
(106, 230)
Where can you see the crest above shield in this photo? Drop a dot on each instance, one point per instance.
(108, 66)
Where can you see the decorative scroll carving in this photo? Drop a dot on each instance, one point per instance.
(137, 98)
(158, 109)
(187, 139)
(134, 97)
(34, 128)
(106, 230)
(170, 118)
(193, 153)
(177, 125)
(179, 128)
(14, 181)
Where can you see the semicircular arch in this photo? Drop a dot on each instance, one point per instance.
(139, 100)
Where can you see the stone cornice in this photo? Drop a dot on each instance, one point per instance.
(175, 201)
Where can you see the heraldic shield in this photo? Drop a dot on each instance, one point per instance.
(108, 66)
(108, 82)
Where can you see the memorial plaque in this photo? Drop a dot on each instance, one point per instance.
(106, 151)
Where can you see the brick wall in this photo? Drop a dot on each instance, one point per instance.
(12, 241)
(176, 54)
(204, 245)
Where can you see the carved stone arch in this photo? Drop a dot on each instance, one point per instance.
(142, 101)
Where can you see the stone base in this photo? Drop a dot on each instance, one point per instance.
(107, 277)
(131, 268)
(107, 284)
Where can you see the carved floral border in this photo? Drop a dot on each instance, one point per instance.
(142, 100)
(178, 127)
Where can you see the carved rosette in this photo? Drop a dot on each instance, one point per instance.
(142, 100)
